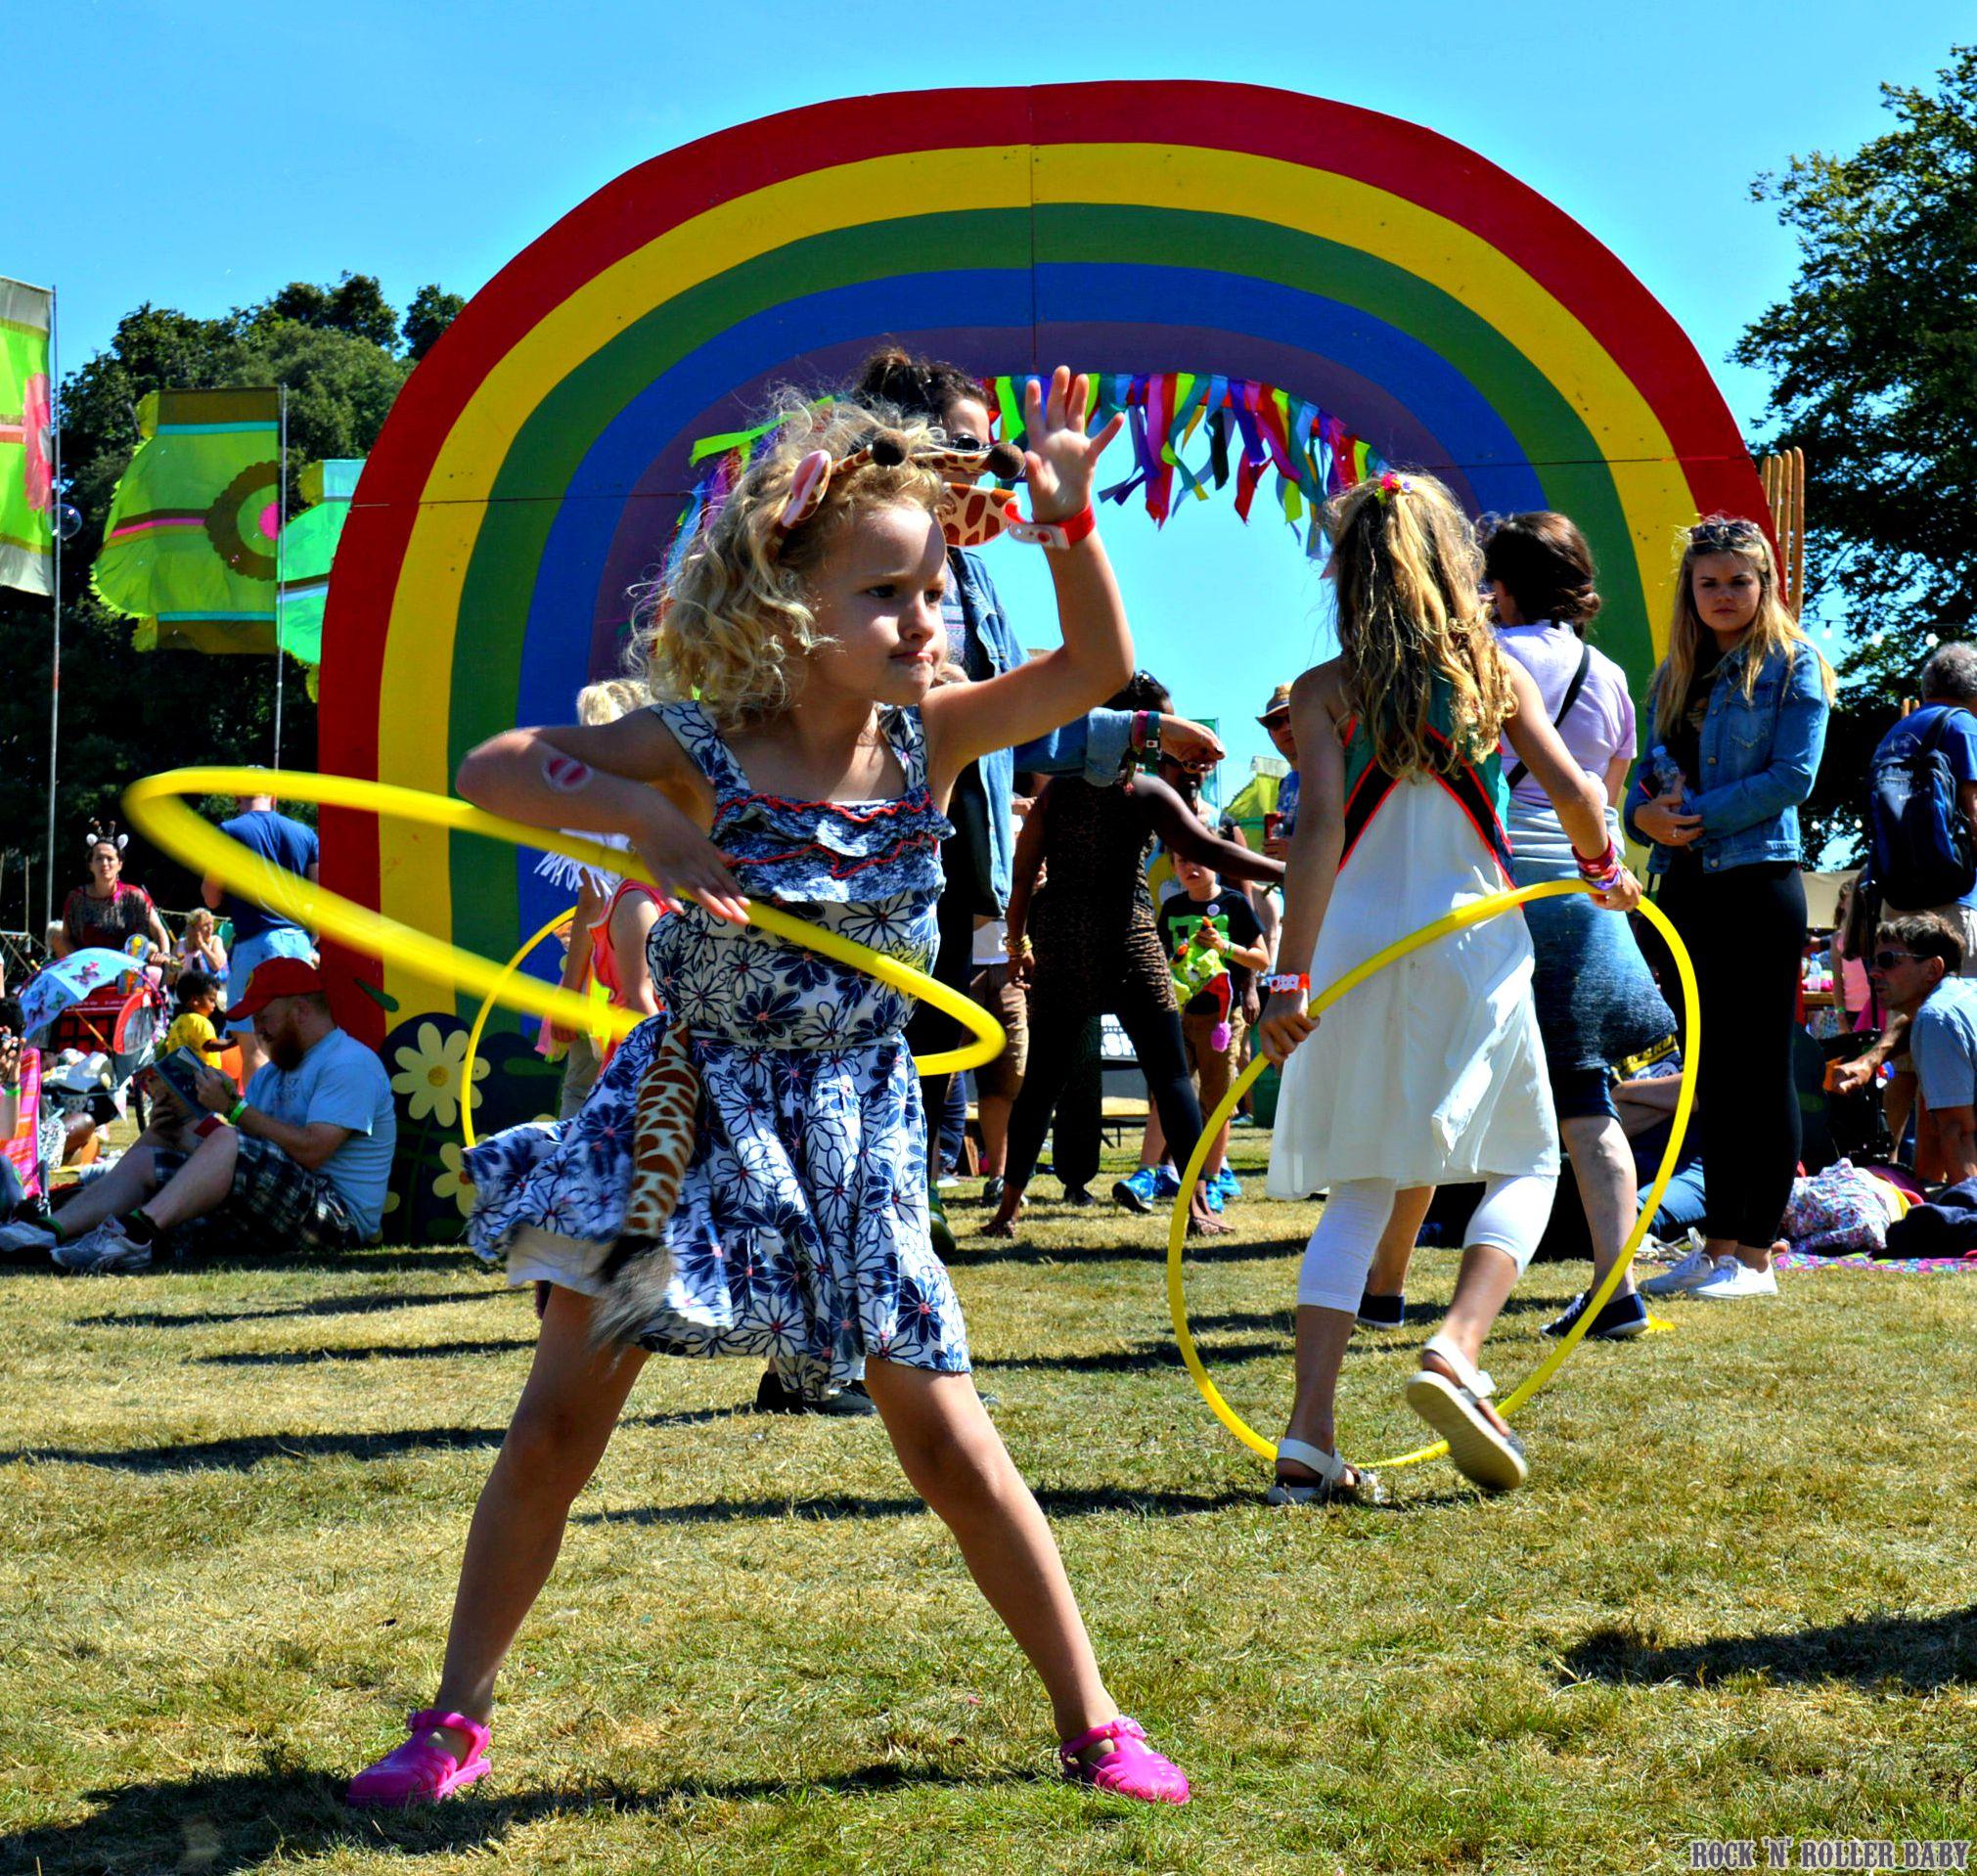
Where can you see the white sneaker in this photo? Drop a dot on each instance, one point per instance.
(18, 1238)
(1734, 1279)
(1696, 1268)
(102, 1252)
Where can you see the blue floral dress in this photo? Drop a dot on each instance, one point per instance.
(801, 1229)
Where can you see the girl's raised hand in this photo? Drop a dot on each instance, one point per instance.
(1061, 458)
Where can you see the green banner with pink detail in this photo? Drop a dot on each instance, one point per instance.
(26, 458)
(189, 546)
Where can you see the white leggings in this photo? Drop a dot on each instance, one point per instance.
(1511, 1215)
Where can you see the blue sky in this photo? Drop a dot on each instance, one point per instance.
(201, 169)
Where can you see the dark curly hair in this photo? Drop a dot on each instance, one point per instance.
(915, 386)
(1143, 690)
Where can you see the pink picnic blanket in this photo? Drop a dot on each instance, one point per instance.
(23, 1150)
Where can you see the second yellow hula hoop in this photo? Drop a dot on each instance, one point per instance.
(488, 1005)
(157, 808)
(1477, 912)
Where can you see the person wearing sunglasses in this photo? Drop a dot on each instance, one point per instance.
(1738, 710)
(978, 859)
(1918, 964)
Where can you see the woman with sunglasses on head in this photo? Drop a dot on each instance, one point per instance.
(1738, 711)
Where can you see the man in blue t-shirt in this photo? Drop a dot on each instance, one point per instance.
(299, 1164)
(1916, 960)
(1949, 698)
(258, 933)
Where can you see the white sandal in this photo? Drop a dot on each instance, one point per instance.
(1337, 1483)
(1483, 1449)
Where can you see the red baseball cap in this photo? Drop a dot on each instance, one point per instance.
(277, 977)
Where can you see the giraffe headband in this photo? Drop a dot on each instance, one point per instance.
(969, 515)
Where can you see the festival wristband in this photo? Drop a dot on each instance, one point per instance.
(1284, 984)
(1055, 535)
(235, 1112)
(1603, 873)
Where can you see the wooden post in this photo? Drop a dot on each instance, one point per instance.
(1783, 476)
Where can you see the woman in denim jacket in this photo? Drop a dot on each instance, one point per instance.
(1739, 712)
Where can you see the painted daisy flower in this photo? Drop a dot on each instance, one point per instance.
(430, 1072)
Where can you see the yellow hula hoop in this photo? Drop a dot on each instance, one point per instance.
(487, 1008)
(1474, 913)
(155, 807)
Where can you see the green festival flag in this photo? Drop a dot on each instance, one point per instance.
(188, 550)
(26, 420)
(308, 551)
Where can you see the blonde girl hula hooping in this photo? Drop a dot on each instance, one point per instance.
(804, 754)
(1432, 1072)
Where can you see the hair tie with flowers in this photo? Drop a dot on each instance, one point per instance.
(1391, 482)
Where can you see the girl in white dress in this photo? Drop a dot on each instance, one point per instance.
(1433, 1071)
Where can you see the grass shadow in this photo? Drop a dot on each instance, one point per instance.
(1148, 1355)
(1061, 1502)
(971, 1253)
(1916, 1654)
(244, 1820)
(367, 1305)
(362, 1352)
(246, 1453)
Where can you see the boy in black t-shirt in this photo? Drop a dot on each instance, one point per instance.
(1215, 946)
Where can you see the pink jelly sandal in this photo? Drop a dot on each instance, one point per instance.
(420, 1771)
(1130, 1770)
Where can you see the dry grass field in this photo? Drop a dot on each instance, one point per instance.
(1734, 1601)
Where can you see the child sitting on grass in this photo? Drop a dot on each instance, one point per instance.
(199, 995)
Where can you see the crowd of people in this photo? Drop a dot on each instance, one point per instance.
(830, 707)
(275, 1136)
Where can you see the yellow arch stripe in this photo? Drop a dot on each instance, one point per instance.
(415, 688)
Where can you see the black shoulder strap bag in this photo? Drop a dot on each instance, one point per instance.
(1572, 690)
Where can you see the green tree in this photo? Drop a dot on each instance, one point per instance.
(356, 305)
(431, 311)
(125, 713)
(1873, 363)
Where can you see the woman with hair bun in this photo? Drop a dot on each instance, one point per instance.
(1597, 1005)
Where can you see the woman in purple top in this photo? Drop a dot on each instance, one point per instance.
(1598, 1009)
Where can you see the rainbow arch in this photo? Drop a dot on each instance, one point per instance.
(535, 462)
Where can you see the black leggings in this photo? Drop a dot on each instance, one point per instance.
(1056, 1026)
(1077, 1135)
(1745, 929)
